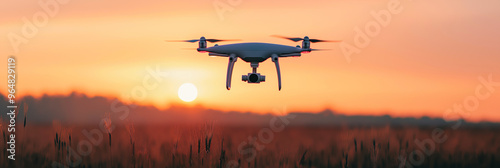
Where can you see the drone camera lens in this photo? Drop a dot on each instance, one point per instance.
(253, 78)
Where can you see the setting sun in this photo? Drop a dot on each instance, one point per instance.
(187, 92)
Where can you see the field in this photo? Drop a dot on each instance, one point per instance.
(212, 145)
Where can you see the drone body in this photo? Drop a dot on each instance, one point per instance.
(254, 53)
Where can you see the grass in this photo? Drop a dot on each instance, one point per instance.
(209, 145)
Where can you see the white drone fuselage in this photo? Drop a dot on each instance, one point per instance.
(254, 53)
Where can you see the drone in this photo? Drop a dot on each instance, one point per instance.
(254, 53)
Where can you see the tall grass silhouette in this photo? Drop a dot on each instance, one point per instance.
(213, 145)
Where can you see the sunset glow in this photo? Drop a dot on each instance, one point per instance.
(413, 67)
(187, 92)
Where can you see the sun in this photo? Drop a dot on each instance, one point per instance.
(187, 92)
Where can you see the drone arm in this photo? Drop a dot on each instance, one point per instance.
(290, 55)
(218, 55)
(232, 60)
(275, 60)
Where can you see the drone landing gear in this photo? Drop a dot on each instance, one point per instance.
(253, 77)
(230, 66)
(274, 57)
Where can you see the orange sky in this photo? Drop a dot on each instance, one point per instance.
(427, 59)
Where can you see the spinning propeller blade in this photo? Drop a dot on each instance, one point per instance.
(294, 39)
(297, 39)
(321, 49)
(317, 40)
(189, 41)
(196, 40)
(218, 40)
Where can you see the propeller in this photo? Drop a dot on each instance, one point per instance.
(209, 40)
(297, 39)
(320, 49)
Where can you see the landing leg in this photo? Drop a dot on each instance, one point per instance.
(232, 60)
(275, 60)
